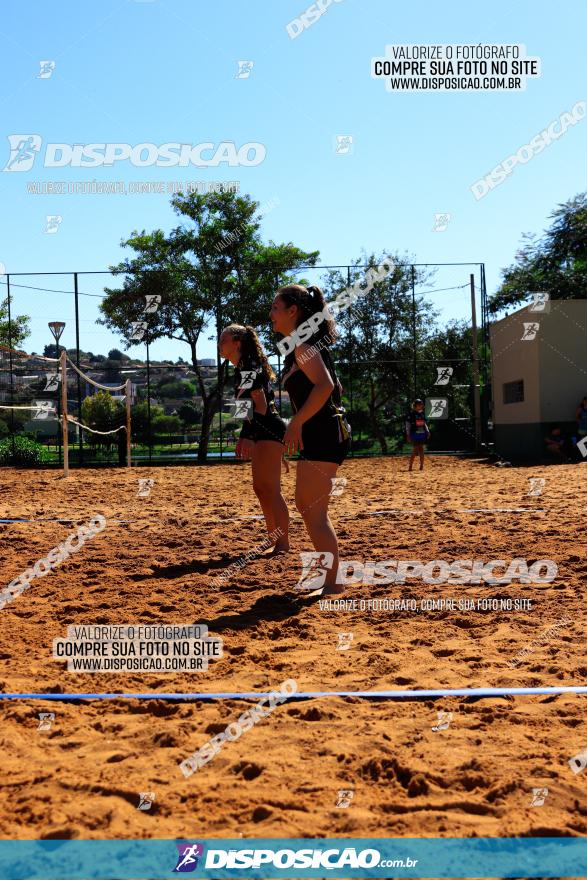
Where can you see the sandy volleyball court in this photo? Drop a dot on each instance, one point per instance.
(158, 561)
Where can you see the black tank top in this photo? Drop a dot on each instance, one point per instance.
(245, 382)
(299, 386)
(417, 421)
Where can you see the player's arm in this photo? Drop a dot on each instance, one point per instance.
(247, 430)
(256, 393)
(259, 400)
(315, 369)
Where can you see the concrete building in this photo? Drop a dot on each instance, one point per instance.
(539, 375)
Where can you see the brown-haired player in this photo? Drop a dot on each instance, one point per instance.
(318, 430)
(261, 437)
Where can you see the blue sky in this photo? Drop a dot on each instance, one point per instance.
(165, 71)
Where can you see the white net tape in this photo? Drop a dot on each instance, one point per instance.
(44, 408)
(92, 430)
(97, 384)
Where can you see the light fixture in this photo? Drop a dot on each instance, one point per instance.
(57, 328)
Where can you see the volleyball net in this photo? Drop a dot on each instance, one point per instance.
(42, 396)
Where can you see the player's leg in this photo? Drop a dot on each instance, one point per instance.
(412, 456)
(266, 466)
(313, 488)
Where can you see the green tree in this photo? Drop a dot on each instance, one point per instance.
(451, 346)
(189, 415)
(52, 350)
(376, 340)
(13, 420)
(14, 331)
(210, 271)
(164, 424)
(175, 388)
(140, 421)
(102, 413)
(555, 264)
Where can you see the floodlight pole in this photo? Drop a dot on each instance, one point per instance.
(57, 328)
(63, 360)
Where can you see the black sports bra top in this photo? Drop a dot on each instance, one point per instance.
(299, 386)
(249, 376)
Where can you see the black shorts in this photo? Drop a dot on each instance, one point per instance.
(268, 427)
(326, 440)
(320, 452)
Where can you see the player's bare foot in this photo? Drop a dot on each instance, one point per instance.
(332, 589)
(279, 548)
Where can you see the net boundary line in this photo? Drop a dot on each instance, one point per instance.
(19, 406)
(71, 420)
(93, 381)
(295, 518)
(311, 695)
(66, 418)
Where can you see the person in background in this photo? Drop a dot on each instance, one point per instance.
(557, 444)
(417, 432)
(581, 418)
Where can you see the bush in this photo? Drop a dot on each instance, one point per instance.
(26, 452)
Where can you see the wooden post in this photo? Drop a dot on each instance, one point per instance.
(64, 423)
(127, 392)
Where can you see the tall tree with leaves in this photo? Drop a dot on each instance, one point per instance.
(102, 412)
(14, 332)
(211, 270)
(377, 339)
(555, 264)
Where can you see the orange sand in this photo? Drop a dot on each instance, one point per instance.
(281, 778)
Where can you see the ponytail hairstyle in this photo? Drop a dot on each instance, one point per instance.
(310, 300)
(251, 350)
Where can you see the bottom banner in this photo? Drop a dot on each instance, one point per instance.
(291, 858)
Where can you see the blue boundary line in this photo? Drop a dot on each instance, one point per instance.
(64, 521)
(310, 695)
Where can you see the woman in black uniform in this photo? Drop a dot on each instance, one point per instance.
(261, 437)
(318, 429)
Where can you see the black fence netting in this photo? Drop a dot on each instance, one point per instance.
(412, 334)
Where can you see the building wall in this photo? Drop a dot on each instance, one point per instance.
(563, 360)
(553, 367)
(513, 359)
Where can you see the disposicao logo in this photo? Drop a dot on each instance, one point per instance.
(188, 855)
(25, 147)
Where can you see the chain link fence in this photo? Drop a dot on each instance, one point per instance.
(422, 345)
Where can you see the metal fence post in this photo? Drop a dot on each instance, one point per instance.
(79, 387)
(414, 335)
(487, 393)
(476, 397)
(351, 364)
(220, 393)
(10, 366)
(149, 433)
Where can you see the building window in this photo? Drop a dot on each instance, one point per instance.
(513, 392)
